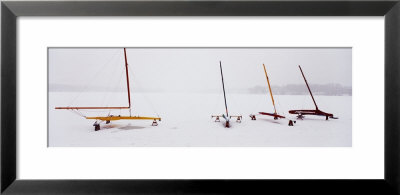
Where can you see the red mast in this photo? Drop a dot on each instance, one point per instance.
(127, 78)
(308, 87)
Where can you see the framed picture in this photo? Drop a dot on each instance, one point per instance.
(107, 100)
(202, 97)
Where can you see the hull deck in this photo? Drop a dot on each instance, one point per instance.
(114, 118)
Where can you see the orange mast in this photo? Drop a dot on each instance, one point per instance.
(269, 86)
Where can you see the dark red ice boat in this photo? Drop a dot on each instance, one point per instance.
(318, 112)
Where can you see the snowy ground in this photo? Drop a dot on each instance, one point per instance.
(186, 121)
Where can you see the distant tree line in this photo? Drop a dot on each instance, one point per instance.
(291, 89)
(301, 89)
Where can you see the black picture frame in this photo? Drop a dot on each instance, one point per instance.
(11, 10)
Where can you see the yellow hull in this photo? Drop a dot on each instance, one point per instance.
(114, 118)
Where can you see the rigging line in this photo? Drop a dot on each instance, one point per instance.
(81, 113)
(217, 103)
(111, 92)
(235, 104)
(305, 100)
(150, 103)
(255, 106)
(93, 78)
(267, 91)
(261, 102)
(138, 85)
(148, 100)
(97, 111)
(281, 108)
(78, 113)
(135, 83)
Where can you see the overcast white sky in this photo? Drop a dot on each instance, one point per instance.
(197, 69)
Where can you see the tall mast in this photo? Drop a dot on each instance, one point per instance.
(223, 88)
(269, 86)
(316, 107)
(127, 81)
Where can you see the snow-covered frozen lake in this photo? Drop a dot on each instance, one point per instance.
(186, 121)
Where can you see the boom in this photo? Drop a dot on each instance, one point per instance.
(308, 87)
(89, 108)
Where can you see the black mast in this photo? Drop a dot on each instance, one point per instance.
(308, 88)
(223, 88)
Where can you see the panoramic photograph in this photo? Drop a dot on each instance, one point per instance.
(199, 97)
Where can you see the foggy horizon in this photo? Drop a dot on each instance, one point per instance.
(197, 69)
